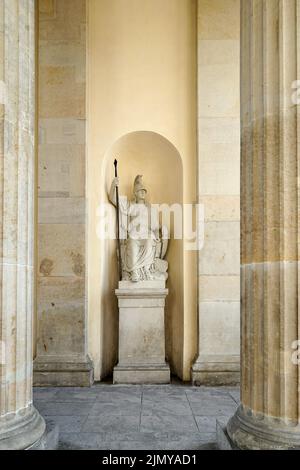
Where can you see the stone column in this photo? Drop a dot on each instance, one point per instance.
(268, 417)
(21, 426)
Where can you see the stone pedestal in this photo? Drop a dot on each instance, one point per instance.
(142, 333)
(214, 373)
(75, 371)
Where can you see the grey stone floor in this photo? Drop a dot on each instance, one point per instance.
(156, 417)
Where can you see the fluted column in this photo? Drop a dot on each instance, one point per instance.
(269, 416)
(20, 424)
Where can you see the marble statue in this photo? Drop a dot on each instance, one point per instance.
(143, 243)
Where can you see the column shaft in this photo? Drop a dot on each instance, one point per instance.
(20, 424)
(269, 414)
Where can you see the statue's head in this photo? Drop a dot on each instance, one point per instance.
(139, 189)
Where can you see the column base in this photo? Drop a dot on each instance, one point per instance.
(214, 374)
(247, 432)
(50, 438)
(22, 430)
(223, 440)
(62, 372)
(156, 374)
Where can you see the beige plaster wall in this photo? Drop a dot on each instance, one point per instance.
(141, 77)
(61, 178)
(219, 181)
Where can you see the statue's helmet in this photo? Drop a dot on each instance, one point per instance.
(138, 184)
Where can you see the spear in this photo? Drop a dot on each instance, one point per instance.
(118, 222)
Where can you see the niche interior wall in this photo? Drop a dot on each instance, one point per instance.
(141, 77)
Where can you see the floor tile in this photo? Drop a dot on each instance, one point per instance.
(68, 423)
(85, 441)
(44, 393)
(119, 408)
(158, 421)
(208, 423)
(79, 408)
(175, 405)
(235, 394)
(109, 423)
(74, 395)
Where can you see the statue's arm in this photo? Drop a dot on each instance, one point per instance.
(112, 193)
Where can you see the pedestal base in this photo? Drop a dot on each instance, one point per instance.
(141, 333)
(19, 431)
(63, 373)
(248, 432)
(142, 374)
(213, 373)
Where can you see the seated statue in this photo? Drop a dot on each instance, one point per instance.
(143, 243)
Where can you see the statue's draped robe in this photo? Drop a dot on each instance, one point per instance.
(138, 223)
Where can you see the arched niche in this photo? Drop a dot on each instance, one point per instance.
(153, 156)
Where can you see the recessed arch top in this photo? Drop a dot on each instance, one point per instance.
(150, 154)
